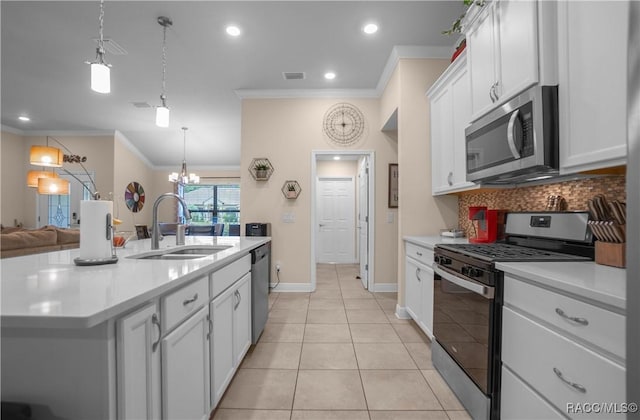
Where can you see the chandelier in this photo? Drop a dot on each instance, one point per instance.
(184, 177)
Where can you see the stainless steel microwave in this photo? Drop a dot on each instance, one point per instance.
(517, 142)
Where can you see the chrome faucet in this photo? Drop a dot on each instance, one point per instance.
(155, 230)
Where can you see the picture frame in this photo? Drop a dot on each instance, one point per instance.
(142, 232)
(393, 186)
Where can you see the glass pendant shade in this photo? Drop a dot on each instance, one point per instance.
(46, 156)
(162, 116)
(53, 186)
(33, 176)
(100, 78)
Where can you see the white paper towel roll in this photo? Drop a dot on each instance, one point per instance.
(93, 230)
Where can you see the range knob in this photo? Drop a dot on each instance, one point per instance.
(474, 272)
(442, 260)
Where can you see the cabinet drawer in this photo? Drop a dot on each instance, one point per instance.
(548, 362)
(183, 302)
(599, 326)
(518, 401)
(227, 275)
(419, 253)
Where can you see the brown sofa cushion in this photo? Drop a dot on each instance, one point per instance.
(29, 238)
(11, 229)
(68, 236)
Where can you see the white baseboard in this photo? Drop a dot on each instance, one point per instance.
(401, 312)
(291, 287)
(385, 287)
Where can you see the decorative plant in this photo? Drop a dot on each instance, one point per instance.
(456, 26)
(259, 166)
(291, 187)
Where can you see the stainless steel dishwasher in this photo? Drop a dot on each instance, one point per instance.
(260, 276)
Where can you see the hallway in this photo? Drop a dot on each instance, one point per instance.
(338, 353)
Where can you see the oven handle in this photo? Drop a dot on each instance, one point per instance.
(480, 289)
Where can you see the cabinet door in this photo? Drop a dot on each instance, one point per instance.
(592, 86)
(482, 62)
(413, 290)
(185, 369)
(441, 141)
(242, 319)
(222, 357)
(138, 364)
(426, 278)
(517, 24)
(461, 115)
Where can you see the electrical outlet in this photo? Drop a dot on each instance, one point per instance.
(277, 267)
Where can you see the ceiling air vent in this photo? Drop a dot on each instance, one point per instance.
(112, 47)
(141, 104)
(293, 75)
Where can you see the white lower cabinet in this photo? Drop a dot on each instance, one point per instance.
(185, 369)
(176, 356)
(231, 316)
(419, 287)
(138, 364)
(553, 357)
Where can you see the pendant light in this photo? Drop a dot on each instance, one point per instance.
(51, 157)
(33, 176)
(162, 112)
(53, 186)
(100, 69)
(184, 177)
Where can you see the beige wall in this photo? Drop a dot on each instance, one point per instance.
(130, 168)
(286, 131)
(12, 171)
(419, 212)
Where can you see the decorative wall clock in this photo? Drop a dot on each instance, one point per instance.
(343, 124)
(134, 197)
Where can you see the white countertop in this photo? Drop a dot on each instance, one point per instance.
(49, 291)
(588, 280)
(431, 241)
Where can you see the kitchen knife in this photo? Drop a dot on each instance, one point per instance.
(592, 210)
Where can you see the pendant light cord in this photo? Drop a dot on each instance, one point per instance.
(100, 26)
(163, 96)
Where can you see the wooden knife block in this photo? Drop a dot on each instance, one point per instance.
(610, 253)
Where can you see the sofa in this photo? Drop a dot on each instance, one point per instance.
(17, 241)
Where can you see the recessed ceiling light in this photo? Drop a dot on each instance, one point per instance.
(330, 75)
(370, 28)
(24, 118)
(233, 30)
(336, 158)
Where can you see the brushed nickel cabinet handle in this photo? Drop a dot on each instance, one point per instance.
(574, 385)
(581, 321)
(210, 327)
(237, 293)
(190, 300)
(418, 274)
(155, 320)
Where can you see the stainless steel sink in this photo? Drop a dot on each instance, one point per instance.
(207, 250)
(189, 252)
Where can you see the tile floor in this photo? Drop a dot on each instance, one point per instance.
(338, 353)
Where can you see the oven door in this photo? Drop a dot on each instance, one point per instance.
(464, 324)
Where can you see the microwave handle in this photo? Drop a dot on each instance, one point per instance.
(513, 124)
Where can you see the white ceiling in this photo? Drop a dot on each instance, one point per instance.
(44, 45)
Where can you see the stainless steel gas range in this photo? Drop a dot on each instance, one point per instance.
(468, 299)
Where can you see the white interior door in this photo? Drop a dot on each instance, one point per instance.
(363, 220)
(336, 220)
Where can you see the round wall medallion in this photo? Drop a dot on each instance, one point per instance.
(343, 124)
(134, 197)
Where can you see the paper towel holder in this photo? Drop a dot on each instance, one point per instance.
(101, 261)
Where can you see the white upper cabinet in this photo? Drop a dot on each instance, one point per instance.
(450, 104)
(503, 53)
(592, 91)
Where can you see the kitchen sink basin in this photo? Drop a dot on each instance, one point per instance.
(189, 252)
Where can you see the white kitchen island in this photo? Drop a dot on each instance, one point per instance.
(69, 331)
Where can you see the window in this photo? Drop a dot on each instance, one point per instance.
(211, 204)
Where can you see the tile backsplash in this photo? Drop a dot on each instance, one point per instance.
(575, 194)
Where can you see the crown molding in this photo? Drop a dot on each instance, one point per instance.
(198, 168)
(133, 149)
(400, 52)
(12, 130)
(305, 93)
(64, 133)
